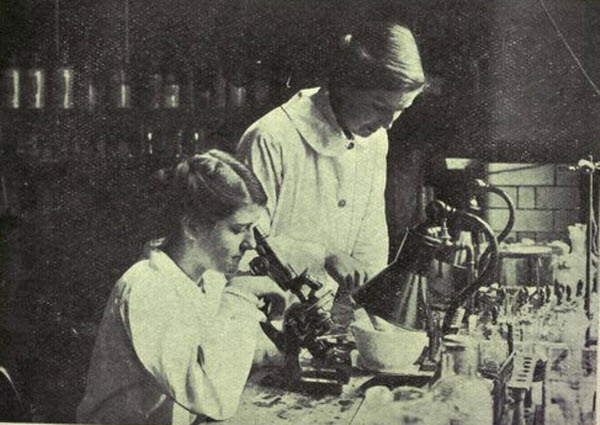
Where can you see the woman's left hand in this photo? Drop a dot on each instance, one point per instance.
(259, 286)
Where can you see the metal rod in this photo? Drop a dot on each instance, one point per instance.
(590, 238)
(326, 336)
(595, 288)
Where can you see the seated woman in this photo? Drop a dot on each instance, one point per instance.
(176, 344)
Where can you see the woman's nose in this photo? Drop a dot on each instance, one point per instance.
(249, 242)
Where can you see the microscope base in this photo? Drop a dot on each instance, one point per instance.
(310, 380)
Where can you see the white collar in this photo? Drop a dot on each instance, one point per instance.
(311, 113)
(160, 261)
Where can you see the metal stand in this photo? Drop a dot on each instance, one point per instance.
(588, 167)
(320, 376)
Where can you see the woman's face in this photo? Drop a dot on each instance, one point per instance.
(364, 111)
(230, 238)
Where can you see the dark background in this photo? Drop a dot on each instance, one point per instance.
(503, 88)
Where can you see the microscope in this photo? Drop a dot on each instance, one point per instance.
(305, 325)
(398, 294)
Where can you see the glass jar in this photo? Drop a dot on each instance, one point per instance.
(463, 395)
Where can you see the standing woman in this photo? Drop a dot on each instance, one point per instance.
(321, 156)
(176, 344)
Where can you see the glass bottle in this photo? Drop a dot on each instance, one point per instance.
(465, 394)
(220, 89)
(88, 87)
(261, 82)
(178, 145)
(153, 133)
(155, 86)
(11, 85)
(200, 140)
(90, 95)
(64, 83)
(237, 92)
(148, 141)
(34, 99)
(120, 87)
(204, 89)
(194, 140)
(189, 96)
(172, 91)
(35, 85)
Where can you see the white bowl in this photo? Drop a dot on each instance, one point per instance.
(393, 351)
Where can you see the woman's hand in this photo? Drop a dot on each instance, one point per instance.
(347, 271)
(258, 286)
(263, 290)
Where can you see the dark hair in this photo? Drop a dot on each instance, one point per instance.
(208, 187)
(379, 54)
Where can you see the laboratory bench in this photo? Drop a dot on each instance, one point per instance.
(371, 398)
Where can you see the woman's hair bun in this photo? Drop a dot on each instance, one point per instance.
(208, 187)
(378, 54)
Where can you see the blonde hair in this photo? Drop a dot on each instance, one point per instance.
(208, 187)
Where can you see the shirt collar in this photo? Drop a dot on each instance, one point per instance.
(162, 262)
(311, 113)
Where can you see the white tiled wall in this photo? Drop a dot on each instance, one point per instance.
(546, 198)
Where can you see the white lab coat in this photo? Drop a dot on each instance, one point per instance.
(169, 350)
(325, 192)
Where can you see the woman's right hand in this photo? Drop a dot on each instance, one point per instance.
(347, 271)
